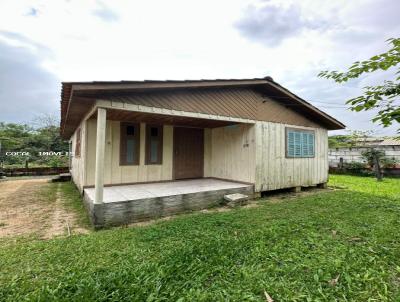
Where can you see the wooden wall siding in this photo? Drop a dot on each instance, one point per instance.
(275, 171)
(242, 152)
(232, 153)
(231, 102)
(116, 174)
(235, 102)
(273, 111)
(207, 153)
(78, 163)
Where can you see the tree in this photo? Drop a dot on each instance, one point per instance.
(23, 138)
(359, 137)
(353, 139)
(338, 141)
(384, 97)
(14, 137)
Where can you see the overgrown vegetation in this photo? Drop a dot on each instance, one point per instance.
(334, 245)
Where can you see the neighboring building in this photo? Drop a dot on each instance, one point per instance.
(248, 135)
(390, 146)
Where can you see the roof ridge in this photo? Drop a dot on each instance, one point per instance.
(267, 78)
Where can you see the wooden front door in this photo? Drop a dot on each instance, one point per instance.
(188, 152)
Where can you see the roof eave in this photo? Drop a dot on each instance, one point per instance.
(69, 87)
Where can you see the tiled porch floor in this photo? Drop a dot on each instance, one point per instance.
(162, 189)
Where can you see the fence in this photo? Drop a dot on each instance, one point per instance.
(339, 157)
(34, 171)
(348, 155)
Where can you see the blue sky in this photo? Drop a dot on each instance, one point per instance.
(45, 42)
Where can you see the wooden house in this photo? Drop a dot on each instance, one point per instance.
(154, 148)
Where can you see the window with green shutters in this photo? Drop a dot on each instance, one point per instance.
(300, 143)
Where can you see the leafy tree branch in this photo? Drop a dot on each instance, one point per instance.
(384, 97)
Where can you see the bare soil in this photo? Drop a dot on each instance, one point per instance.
(26, 210)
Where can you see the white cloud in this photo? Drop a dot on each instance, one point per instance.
(178, 39)
(273, 23)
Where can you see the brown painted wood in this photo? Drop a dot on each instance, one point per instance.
(188, 160)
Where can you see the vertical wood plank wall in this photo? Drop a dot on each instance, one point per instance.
(116, 174)
(78, 163)
(230, 152)
(207, 152)
(275, 171)
(243, 152)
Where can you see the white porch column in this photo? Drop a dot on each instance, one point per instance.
(100, 149)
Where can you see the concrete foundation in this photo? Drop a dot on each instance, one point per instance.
(139, 202)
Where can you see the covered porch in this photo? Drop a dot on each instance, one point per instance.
(197, 160)
(185, 147)
(136, 202)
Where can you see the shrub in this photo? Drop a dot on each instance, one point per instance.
(387, 162)
(356, 168)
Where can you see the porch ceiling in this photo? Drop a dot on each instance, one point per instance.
(151, 118)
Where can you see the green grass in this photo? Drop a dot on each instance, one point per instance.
(291, 249)
(70, 198)
(73, 201)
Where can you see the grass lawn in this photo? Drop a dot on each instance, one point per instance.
(340, 244)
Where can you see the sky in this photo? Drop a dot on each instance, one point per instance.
(43, 43)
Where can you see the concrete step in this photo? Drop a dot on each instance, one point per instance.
(236, 199)
(62, 177)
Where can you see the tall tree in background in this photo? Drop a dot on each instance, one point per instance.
(384, 97)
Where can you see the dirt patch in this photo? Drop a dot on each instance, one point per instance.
(62, 222)
(29, 207)
(277, 197)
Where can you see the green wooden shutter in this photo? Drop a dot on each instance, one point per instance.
(297, 144)
(304, 144)
(300, 143)
(290, 144)
(311, 142)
